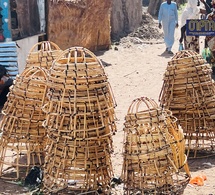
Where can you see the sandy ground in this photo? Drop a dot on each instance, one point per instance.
(136, 70)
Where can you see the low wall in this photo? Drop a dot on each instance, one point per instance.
(23, 48)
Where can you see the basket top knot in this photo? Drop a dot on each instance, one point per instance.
(75, 55)
(184, 54)
(145, 110)
(186, 58)
(34, 73)
(77, 64)
(44, 46)
(33, 78)
(142, 104)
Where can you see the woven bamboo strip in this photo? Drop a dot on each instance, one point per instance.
(154, 150)
(23, 135)
(188, 91)
(80, 122)
(43, 54)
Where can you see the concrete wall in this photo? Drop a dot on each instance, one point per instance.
(126, 15)
(86, 25)
(41, 8)
(23, 48)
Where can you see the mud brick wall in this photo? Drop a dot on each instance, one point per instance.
(83, 23)
(126, 15)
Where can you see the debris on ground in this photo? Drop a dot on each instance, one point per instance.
(198, 180)
(147, 33)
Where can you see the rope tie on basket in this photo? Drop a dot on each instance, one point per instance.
(65, 80)
(182, 166)
(193, 58)
(153, 141)
(75, 64)
(135, 116)
(173, 164)
(67, 68)
(85, 59)
(75, 84)
(203, 94)
(25, 91)
(87, 78)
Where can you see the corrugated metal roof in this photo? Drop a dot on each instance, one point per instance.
(9, 58)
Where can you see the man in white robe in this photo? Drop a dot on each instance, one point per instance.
(191, 11)
(168, 16)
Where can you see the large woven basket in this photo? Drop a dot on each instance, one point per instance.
(23, 137)
(43, 54)
(154, 152)
(189, 92)
(80, 123)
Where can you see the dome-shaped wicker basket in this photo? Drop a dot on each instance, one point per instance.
(79, 91)
(189, 92)
(153, 153)
(80, 123)
(78, 167)
(23, 137)
(43, 54)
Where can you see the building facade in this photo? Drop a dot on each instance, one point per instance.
(22, 22)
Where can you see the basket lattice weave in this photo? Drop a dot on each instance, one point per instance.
(189, 92)
(43, 54)
(154, 152)
(80, 123)
(23, 137)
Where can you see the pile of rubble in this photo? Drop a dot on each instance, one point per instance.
(147, 32)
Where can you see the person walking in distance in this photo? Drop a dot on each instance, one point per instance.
(191, 11)
(208, 6)
(168, 18)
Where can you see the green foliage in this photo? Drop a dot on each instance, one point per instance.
(207, 55)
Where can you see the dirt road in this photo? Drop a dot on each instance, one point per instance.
(136, 70)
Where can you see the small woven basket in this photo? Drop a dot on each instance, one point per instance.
(43, 54)
(153, 151)
(23, 137)
(189, 92)
(80, 123)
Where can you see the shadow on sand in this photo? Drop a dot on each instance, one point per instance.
(201, 163)
(166, 55)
